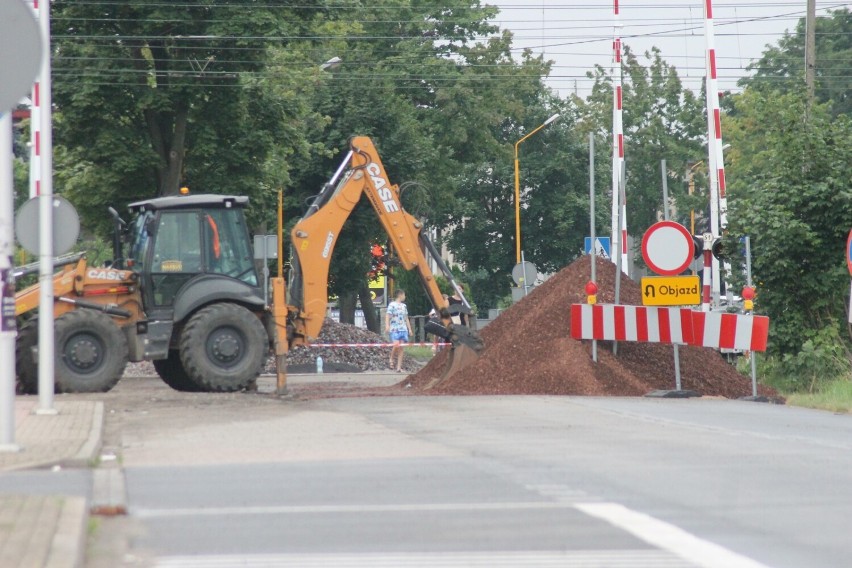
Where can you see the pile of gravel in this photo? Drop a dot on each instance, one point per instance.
(342, 359)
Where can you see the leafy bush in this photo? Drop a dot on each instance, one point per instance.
(821, 360)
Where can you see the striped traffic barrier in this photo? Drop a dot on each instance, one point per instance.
(720, 330)
(649, 324)
(682, 326)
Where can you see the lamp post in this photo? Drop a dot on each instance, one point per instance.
(518, 187)
(332, 63)
(691, 176)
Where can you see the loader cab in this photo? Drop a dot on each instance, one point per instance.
(191, 250)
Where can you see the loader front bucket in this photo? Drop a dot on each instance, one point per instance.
(465, 349)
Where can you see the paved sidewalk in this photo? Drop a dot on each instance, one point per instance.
(41, 531)
(70, 438)
(48, 531)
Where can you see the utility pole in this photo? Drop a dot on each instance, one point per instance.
(810, 49)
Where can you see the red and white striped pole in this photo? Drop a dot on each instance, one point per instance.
(619, 234)
(35, 126)
(718, 198)
(705, 291)
(43, 144)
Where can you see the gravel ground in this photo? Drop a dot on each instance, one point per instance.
(302, 359)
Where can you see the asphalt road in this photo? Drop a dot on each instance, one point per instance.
(477, 481)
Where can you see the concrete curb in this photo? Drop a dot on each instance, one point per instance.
(88, 452)
(67, 549)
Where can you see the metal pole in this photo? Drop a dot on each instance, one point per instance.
(517, 205)
(279, 308)
(619, 260)
(265, 272)
(593, 272)
(547, 122)
(666, 217)
(7, 289)
(749, 283)
(45, 275)
(810, 48)
(524, 269)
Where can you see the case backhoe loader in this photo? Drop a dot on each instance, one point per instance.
(187, 295)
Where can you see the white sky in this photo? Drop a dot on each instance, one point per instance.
(577, 34)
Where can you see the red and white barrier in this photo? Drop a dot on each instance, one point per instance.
(684, 326)
(648, 324)
(730, 331)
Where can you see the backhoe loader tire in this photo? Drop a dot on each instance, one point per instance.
(90, 350)
(223, 347)
(173, 374)
(25, 361)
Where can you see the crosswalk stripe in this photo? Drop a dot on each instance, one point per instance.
(666, 536)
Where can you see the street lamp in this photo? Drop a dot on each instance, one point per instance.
(690, 173)
(518, 186)
(332, 63)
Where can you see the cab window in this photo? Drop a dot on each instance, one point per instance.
(227, 246)
(177, 255)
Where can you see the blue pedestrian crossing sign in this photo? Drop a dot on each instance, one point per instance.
(602, 246)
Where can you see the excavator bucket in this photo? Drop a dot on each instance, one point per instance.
(465, 349)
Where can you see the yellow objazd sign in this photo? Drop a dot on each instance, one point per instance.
(671, 291)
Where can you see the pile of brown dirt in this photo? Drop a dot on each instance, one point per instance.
(528, 350)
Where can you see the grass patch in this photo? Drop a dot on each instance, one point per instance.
(835, 396)
(419, 352)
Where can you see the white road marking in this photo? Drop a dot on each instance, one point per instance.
(498, 559)
(668, 537)
(143, 513)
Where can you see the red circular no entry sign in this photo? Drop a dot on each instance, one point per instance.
(849, 252)
(667, 248)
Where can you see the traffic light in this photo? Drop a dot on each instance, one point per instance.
(719, 250)
(378, 262)
(698, 250)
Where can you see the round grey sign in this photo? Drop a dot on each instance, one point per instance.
(525, 272)
(66, 225)
(20, 52)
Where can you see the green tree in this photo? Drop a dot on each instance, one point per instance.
(790, 191)
(481, 126)
(782, 66)
(661, 120)
(153, 96)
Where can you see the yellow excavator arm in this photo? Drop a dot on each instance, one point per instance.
(315, 235)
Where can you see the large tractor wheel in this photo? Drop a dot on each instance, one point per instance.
(223, 347)
(91, 352)
(26, 365)
(173, 374)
